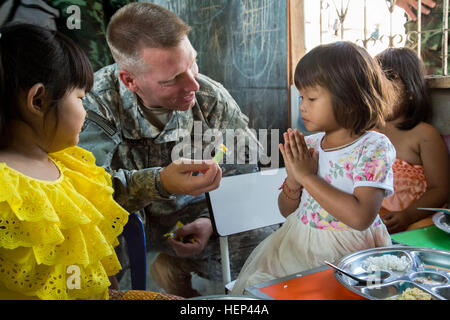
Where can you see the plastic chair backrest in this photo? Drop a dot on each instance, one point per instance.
(242, 203)
(246, 202)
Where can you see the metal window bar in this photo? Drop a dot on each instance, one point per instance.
(391, 37)
(419, 28)
(342, 11)
(321, 22)
(342, 14)
(445, 36)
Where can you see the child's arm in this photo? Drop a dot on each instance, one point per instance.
(289, 197)
(435, 161)
(357, 210)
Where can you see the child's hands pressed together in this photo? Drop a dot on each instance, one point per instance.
(300, 160)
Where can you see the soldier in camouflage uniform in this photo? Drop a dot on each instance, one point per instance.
(133, 143)
(432, 23)
(95, 16)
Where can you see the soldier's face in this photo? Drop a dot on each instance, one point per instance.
(170, 78)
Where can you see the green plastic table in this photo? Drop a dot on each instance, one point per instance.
(427, 237)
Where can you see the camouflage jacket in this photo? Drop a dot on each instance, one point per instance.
(126, 144)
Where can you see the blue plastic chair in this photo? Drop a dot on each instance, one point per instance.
(137, 251)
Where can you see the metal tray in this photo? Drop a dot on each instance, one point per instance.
(442, 221)
(424, 262)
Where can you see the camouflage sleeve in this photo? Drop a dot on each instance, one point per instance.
(133, 189)
(136, 189)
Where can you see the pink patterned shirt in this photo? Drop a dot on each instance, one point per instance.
(367, 162)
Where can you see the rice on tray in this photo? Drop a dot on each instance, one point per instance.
(386, 262)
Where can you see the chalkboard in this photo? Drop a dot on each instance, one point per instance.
(243, 45)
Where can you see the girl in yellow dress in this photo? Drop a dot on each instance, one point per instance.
(58, 221)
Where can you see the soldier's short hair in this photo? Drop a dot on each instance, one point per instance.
(142, 25)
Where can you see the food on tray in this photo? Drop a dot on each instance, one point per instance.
(424, 271)
(427, 280)
(414, 294)
(386, 262)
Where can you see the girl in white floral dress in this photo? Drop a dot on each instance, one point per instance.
(337, 178)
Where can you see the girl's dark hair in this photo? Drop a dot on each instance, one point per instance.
(31, 54)
(404, 64)
(360, 92)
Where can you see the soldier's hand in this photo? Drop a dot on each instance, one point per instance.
(179, 177)
(408, 5)
(198, 231)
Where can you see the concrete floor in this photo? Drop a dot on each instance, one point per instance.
(204, 286)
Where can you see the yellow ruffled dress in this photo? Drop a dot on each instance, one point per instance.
(57, 238)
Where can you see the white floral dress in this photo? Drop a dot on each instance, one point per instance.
(310, 234)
